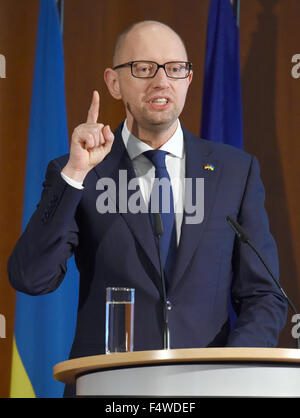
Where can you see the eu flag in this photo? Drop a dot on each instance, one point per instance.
(222, 101)
(44, 325)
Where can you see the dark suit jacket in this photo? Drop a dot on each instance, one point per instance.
(116, 249)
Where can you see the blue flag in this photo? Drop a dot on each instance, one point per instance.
(222, 102)
(44, 325)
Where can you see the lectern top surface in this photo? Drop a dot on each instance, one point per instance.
(67, 371)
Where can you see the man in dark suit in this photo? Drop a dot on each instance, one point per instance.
(151, 74)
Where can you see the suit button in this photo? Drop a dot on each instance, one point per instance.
(169, 305)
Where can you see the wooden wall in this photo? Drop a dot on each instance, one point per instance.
(269, 37)
(18, 25)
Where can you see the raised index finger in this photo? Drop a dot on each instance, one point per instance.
(94, 108)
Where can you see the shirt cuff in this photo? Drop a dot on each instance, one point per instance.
(72, 182)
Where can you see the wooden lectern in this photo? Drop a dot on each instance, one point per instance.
(216, 372)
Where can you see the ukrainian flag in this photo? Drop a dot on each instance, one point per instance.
(44, 325)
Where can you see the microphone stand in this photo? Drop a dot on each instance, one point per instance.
(158, 228)
(243, 237)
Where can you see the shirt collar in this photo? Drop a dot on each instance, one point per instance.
(136, 147)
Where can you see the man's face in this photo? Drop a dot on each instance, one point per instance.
(154, 104)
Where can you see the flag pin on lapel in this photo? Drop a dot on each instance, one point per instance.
(209, 167)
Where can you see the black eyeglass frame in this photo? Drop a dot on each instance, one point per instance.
(130, 64)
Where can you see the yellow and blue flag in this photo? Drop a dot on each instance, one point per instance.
(44, 325)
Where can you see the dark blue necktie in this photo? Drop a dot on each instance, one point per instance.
(168, 240)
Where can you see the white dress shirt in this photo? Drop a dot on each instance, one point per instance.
(145, 170)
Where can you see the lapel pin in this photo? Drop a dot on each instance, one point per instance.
(209, 167)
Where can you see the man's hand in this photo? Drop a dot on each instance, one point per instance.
(91, 142)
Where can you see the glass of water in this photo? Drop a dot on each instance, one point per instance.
(119, 322)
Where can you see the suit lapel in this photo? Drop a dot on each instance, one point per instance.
(139, 223)
(199, 164)
(198, 155)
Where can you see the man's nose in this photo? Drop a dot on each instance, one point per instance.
(161, 78)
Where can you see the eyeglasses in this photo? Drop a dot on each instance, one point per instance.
(149, 69)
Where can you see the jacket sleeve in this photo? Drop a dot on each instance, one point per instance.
(37, 264)
(260, 306)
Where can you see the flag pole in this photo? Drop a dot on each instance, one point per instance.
(236, 4)
(60, 7)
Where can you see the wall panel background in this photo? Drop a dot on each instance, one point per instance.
(269, 37)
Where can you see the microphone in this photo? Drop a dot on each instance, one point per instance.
(158, 230)
(243, 237)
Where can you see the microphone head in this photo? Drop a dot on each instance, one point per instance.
(240, 232)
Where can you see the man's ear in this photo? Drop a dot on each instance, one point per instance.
(112, 81)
